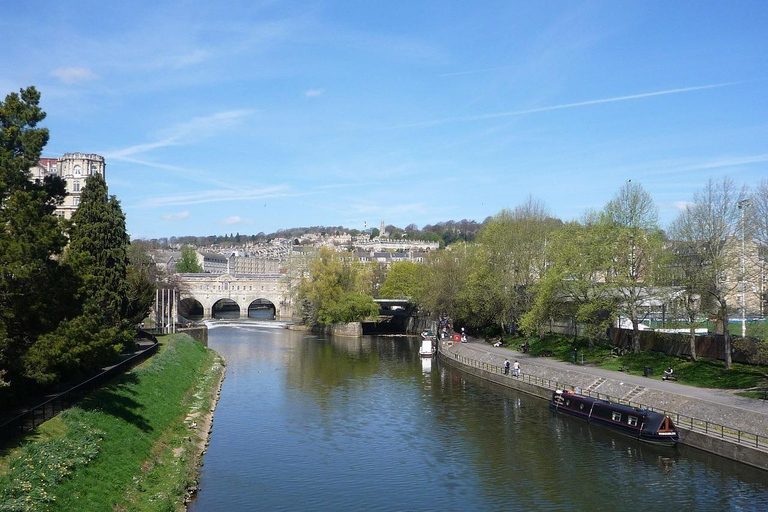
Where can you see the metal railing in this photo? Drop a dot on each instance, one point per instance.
(44, 411)
(701, 426)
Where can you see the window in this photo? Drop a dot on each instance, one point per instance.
(93, 169)
(76, 186)
(632, 420)
(77, 170)
(616, 416)
(76, 201)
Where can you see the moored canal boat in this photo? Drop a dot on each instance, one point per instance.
(648, 426)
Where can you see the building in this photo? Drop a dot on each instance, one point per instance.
(74, 168)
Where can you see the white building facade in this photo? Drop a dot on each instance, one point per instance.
(74, 168)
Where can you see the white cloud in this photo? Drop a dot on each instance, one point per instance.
(682, 205)
(75, 75)
(481, 117)
(312, 93)
(216, 196)
(176, 216)
(186, 132)
(235, 219)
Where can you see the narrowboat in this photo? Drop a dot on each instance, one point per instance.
(648, 426)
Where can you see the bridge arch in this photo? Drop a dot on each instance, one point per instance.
(191, 309)
(262, 309)
(225, 309)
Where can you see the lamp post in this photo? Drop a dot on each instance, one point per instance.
(743, 206)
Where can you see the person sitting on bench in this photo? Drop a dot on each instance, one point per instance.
(668, 374)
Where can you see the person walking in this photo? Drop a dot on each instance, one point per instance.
(506, 367)
(516, 368)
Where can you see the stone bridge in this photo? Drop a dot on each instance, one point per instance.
(209, 293)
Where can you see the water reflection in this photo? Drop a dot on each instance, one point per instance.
(309, 422)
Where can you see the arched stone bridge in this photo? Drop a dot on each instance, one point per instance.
(245, 290)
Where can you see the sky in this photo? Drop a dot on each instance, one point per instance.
(247, 117)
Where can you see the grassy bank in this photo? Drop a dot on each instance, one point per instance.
(705, 373)
(128, 447)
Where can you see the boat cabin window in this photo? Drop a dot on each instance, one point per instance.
(616, 416)
(567, 402)
(581, 406)
(632, 420)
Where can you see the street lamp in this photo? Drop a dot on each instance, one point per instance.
(743, 206)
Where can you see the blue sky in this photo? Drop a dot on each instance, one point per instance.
(224, 117)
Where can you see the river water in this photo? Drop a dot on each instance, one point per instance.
(308, 422)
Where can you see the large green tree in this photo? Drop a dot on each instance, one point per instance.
(512, 258)
(333, 293)
(97, 253)
(98, 245)
(404, 280)
(573, 284)
(33, 285)
(188, 264)
(636, 243)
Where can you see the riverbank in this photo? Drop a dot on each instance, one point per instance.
(713, 420)
(136, 444)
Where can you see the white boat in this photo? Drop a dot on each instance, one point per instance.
(427, 348)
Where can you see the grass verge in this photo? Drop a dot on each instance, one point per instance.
(129, 446)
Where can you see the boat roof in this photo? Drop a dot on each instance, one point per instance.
(613, 405)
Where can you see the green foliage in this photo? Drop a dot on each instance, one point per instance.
(350, 307)
(188, 264)
(31, 238)
(333, 292)
(444, 278)
(141, 278)
(98, 243)
(76, 347)
(36, 470)
(404, 280)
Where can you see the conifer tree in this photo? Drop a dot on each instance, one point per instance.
(99, 243)
(33, 286)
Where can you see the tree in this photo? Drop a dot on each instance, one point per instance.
(33, 286)
(404, 281)
(332, 292)
(141, 277)
(444, 277)
(631, 220)
(188, 263)
(712, 224)
(686, 272)
(512, 260)
(574, 284)
(98, 250)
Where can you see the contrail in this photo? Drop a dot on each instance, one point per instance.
(566, 105)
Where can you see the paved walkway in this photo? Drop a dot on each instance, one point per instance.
(714, 405)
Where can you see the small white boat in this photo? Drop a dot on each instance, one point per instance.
(427, 348)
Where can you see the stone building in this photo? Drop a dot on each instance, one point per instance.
(755, 277)
(74, 168)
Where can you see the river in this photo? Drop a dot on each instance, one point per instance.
(309, 422)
